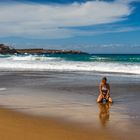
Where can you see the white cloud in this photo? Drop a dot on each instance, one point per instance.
(45, 21)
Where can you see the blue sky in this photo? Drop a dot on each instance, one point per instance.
(99, 26)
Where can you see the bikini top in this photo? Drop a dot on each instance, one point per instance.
(104, 88)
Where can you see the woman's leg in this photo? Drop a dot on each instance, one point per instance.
(99, 99)
(110, 100)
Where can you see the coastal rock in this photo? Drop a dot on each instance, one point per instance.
(10, 50)
(7, 49)
(47, 51)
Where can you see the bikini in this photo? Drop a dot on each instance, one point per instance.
(104, 90)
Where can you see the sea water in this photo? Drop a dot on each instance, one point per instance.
(126, 63)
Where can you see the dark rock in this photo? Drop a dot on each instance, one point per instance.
(9, 50)
(48, 51)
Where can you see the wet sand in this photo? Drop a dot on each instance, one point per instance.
(17, 126)
(48, 105)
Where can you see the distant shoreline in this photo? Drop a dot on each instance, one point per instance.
(10, 50)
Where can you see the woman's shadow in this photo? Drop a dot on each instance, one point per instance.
(104, 113)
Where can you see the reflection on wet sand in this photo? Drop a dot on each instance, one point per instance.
(104, 113)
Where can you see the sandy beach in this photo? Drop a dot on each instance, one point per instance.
(17, 126)
(69, 69)
(62, 105)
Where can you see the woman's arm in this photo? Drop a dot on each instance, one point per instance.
(100, 89)
(108, 92)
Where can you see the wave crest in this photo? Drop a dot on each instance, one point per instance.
(47, 63)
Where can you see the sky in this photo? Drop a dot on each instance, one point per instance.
(95, 26)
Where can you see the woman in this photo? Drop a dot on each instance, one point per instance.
(104, 90)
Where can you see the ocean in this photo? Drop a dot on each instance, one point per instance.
(111, 63)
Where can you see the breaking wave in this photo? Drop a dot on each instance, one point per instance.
(66, 63)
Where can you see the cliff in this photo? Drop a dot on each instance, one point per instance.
(10, 50)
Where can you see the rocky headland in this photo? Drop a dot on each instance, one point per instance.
(4, 49)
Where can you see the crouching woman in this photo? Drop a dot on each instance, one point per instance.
(104, 91)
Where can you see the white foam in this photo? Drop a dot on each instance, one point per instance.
(40, 63)
(2, 89)
(32, 58)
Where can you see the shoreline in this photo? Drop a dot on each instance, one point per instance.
(117, 74)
